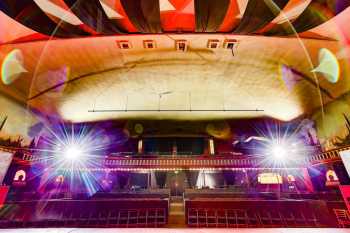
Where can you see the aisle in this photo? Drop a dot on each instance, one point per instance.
(176, 213)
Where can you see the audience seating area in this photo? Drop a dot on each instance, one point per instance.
(235, 212)
(141, 212)
(343, 217)
(203, 208)
(246, 193)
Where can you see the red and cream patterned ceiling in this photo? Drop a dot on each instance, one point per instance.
(28, 20)
(73, 62)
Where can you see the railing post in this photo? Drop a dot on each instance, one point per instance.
(211, 146)
(140, 146)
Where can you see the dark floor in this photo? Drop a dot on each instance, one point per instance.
(164, 230)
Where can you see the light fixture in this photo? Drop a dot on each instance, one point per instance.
(279, 151)
(73, 152)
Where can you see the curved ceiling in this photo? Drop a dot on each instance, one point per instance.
(88, 70)
(104, 77)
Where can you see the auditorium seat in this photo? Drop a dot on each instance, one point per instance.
(86, 213)
(343, 217)
(226, 212)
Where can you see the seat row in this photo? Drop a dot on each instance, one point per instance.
(244, 218)
(87, 213)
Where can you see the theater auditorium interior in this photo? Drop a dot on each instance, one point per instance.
(192, 115)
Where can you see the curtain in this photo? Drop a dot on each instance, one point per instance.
(123, 179)
(161, 179)
(192, 177)
(229, 177)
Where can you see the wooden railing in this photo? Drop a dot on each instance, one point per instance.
(174, 163)
(191, 162)
(326, 157)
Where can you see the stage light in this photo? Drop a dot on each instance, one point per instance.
(282, 150)
(73, 152)
(281, 147)
(279, 151)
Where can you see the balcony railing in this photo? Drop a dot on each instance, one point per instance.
(167, 163)
(230, 161)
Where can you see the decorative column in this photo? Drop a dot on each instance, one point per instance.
(211, 146)
(140, 146)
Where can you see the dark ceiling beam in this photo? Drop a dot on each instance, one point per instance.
(258, 14)
(314, 15)
(91, 13)
(28, 13)
(210, 14)
(144, 14)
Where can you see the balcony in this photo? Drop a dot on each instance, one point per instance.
(232, 160)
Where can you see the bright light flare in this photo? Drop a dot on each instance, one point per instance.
(72, 152)
(279, 152)
(284, 151)
(281, 148)
(12, 67)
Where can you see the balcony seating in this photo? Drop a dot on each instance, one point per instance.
(197, 217)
